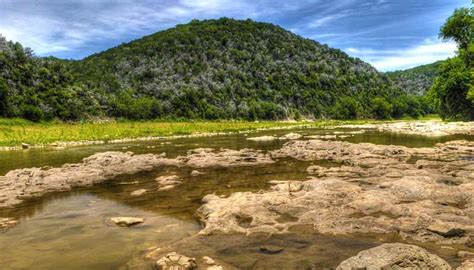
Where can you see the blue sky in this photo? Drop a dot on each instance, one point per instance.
(389, 34)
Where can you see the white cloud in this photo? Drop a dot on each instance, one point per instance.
(324, 20)
(385, 60)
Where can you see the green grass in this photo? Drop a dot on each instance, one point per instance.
(13, 132)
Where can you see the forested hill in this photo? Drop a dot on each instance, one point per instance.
(417, 80)
(211, 69)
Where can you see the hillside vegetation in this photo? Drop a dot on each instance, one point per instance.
(417, 80)
(213, 69)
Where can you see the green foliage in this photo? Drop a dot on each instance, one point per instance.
(32, 113)
(459, 27)
(3, 98)
(453, 87)
(381, 109)
(346, 108)
(40, 88)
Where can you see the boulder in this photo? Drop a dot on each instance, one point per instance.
(394, 256)
(467, 265)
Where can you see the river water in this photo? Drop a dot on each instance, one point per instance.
(72, 230)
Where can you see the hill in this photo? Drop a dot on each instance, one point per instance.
(213, 69)
(417, 80)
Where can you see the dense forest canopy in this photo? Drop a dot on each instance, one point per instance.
(212, 69)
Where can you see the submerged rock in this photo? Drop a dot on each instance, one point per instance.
(167, 182)
(127, 221)
(175, 261)
(262, 138)
(394, 256)
(7, 222)
(138, 192)
(291, 136)
(196, 173)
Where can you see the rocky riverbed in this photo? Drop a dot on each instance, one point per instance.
(421, 196)
(424, 128)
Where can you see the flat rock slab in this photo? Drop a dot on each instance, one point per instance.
(127, 221)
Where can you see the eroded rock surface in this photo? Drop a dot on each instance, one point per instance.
(175, 261)
(377, 189)
(467, 265)
(394, 256)
(21, 184)
(207, 157)
(167, 182)
(425, 128)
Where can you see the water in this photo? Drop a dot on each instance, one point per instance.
(72, 230)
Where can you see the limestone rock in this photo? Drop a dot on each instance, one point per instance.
(467, 265)
(138, 192)
(262, 138)
(168, 182)
(394, 256)
(127, 221)
(291, 136)
(196, 173)
(175, 261)
(7, 222)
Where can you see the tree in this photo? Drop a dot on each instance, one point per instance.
(381, 109)
(451, 88)
(346, 108)
(454, 85)
(459, 27)
(3, 98)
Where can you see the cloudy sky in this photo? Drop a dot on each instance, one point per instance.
(389, 34)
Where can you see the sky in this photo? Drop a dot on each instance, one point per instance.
(389, 34)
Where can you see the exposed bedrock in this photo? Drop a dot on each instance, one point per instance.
(18, 185)
(424, 128)
(379, 189)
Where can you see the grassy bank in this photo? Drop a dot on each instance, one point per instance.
(13, 132)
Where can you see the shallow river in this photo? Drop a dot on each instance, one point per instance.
(72, 230)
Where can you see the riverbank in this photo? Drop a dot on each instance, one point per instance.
(17, 132)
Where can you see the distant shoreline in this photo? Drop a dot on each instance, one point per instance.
(14, 133)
